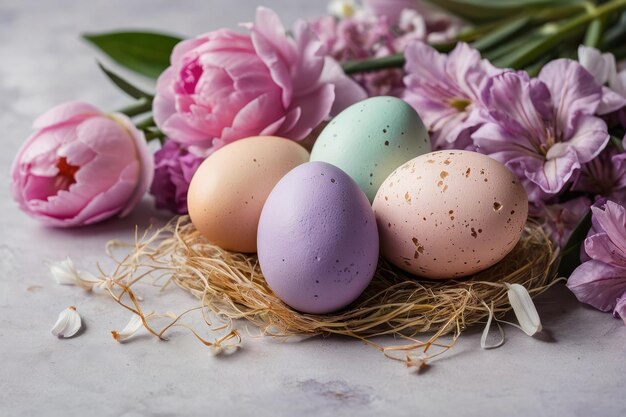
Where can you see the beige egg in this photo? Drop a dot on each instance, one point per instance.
(448, 214)
(227, 192)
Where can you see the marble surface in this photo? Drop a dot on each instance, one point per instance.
(577, 367)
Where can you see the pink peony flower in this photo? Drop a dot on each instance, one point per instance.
(446, 91)
(543, 129)
(81, 166)
(174, 168)
(601, 280)
(225, 85)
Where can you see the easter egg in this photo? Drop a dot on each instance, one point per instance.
(227, 192)
(370, 139)
(448, 214)
(317, 239)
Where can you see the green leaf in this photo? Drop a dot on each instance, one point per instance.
(143, 105)
(147, 53)
(490, 10)
(593, 36)
(473, 33)
(617, 142)
(534, 69)
(375, 64)
(615, 33)
(125, 86)
(502, 33)
(570, 256)
(146, 123)
(545, 42)
(151, 134)
(510, 47)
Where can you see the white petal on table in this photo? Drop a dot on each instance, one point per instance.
(133, 326)
(524, 309)
(68, 323)
(65, 273)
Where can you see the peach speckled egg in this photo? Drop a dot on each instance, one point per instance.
(448, 214)
(229, 189)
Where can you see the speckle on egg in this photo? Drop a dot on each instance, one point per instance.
(329, 227)
(371, 138)
(441, 200)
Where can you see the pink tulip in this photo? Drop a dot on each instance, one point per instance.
(225, 85)
(81, 166)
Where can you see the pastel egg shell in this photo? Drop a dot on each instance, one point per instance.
(449, 214)
(317, 239)
(370, 139)
(227, 192)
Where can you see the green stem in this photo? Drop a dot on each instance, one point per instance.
(556, 36)
(154, 134)
(549, 36)
(391, 61)
(534, 69)
(146, 123)
(142, 106)
(563, 12)
(593, 36)
(475, 33)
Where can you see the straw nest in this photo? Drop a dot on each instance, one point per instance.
(395, 303)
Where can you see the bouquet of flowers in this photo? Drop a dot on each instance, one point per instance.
(537, 85)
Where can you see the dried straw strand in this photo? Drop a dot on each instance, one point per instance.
(395, 303)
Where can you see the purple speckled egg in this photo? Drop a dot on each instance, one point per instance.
(317, 239)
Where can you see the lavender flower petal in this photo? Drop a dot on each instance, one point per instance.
(612, 220)
(542, 129)
(560, 219)
(574, 92)
(602, 67)
(174, 168)
(605, 176)
(446, 91)
(598, 284)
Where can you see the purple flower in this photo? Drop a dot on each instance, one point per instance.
(446, 91)
(560, 219)
(360, 37)
(543, 129)
(438, 26)
(601, 281)
(174, 168)
(378, 30)
(605, 175)
(604, 71)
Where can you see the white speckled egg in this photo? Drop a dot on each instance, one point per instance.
(370, 139)
(448, 214)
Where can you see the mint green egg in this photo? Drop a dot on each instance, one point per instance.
(370, 139)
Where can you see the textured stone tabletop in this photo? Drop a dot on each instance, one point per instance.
(577, 367)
